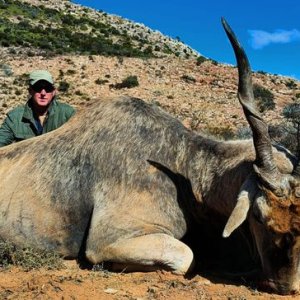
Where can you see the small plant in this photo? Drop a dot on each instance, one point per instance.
(157, 93)
(264, 98)
(69, 61)
(6, 69)
(129, 82)
(83, 27)
(200, 60)
(261, 72)
(120, 59)
(188, 79)
(18, 92)
(78, 93)
(222, 132)
(291, 112)
(101, 81)
(21, 80)
(291, 84)
(70, 72)
(285, 134)
(243, 133)
(214, 62)
(28, 258)
(63, 86)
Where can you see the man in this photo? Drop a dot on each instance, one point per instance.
(41, 114)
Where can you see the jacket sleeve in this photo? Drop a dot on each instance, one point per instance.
(6, 133)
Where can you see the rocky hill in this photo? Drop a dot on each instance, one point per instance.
(199, 91)
(59, 27)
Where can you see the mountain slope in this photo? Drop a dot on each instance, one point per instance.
(202, 93)
(60, 27)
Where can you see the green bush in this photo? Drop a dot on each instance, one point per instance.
(101, 81)
(291, 84)
(200, 60)
(129, 82)
(63, 86)
(71, 72)
(78, 93)
(188, 79)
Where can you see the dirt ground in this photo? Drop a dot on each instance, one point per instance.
(74, 282)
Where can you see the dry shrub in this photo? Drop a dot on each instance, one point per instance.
(28, 258)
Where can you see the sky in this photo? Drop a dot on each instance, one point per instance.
(269, 30)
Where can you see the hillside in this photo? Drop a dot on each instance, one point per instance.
(201, 92)
(72, 28)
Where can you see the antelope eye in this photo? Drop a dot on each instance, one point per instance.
(297, 192)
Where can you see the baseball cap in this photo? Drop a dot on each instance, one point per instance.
(37, 75)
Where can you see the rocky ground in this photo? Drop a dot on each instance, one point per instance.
(76, 283)
(202, 96)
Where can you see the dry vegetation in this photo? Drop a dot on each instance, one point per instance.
(208, 102)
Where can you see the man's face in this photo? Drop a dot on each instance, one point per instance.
(42, 93)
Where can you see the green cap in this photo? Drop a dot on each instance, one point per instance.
(37, 75)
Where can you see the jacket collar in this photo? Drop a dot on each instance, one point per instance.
(28, 111)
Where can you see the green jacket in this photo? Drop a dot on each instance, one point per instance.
(20, 124)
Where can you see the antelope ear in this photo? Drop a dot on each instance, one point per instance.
(240, 211)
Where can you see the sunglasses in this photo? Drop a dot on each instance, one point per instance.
(39, 86)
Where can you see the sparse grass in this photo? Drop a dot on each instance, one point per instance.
(221, 132)
(28, 258)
